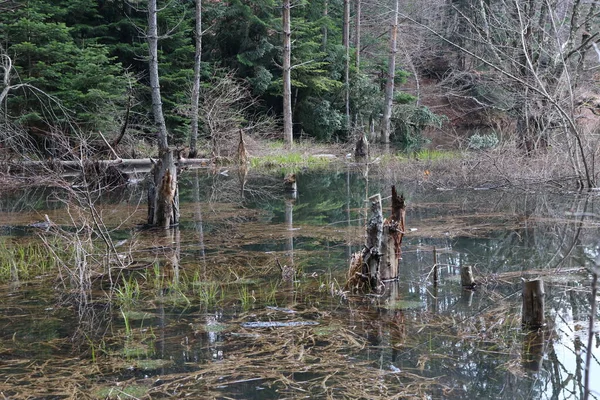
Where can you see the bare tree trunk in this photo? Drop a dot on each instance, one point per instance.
(386, 124)
(196, 88)
(357, 17)
(287, 78)
(324, 28)
(157, 110)
(346, 42)
(163, 196)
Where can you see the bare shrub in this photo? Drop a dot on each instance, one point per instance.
(227, 106)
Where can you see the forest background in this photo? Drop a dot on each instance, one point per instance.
(473, 74)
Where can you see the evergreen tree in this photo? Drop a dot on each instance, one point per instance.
(84, 79)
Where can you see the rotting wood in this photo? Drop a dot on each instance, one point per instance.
(466, 277)
(378, 262)
(124, 162)
(288, 273)
(242, 154)
(372, 253)
(533, 350)
(361, 150)
(290, 185)
(533, 304)
(435, 268)
(163, 197)
(398, 215)
(393, 233)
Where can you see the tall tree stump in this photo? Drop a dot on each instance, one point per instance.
(533, 350)
(393, 232)
(378, 261)
(466, 277)
(533, 304)
(163, 196)
(372, 253)
(361, 150)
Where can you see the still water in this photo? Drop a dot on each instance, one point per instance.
(203, 311)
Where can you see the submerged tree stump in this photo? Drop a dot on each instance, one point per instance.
(290, 186)
(163, 196)
(466, 277)
(242, 153)
(533, 350)
(533, 304)
(372, 252)
(361, 150)
(378, 261)
(393, 232)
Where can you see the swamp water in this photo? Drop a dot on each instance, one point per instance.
(202, 311)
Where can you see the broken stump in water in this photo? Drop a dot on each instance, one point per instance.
(533, 304)
(436, 277)
(466, 277)
(378, 261)
(361, 150)
(290, 185)
(288, 273)
(163, 195)
(532, 354)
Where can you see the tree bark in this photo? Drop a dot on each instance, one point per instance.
(324, 28)
(357, 26)
(346, 43)
(163, 196)
(372, 254)
(196, 87)
(287, 78)
(157, 110)
(533, 304)
(386, 124)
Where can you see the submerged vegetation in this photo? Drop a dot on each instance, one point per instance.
(203, 310)
(239, 291)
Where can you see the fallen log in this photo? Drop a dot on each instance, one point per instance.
(123, 164)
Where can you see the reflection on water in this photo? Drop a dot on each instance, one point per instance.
(206, 300)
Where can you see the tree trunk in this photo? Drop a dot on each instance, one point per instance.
(379, 260)
(346, 42)
(372, 253)
(324, 28)
(357, 26)
(157, 110)
(196, 87)
(287, 78)
(533, 304)
(163, 196)
(386, 124)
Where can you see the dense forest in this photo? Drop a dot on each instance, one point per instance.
(521, 72)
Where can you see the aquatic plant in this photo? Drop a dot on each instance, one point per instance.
(22, 261)
(208, 292)
(127, 292)
(246, 297)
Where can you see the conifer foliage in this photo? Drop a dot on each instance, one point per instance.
(76, 64)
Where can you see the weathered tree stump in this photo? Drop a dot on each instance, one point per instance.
(163, 196)
(361, 150)
(242, 153)
(466, 298)
(290, 186)
(466, 277)
(533, 304)
(436, 277)
(533, 350)
(378, 262)
(372, 253)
